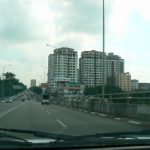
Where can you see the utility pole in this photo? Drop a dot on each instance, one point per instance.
(103, 58)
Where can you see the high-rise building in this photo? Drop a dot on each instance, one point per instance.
(134, 84)
(33, 82)
(115, 65)
(123, 80)
(62, 67)
(90, 68)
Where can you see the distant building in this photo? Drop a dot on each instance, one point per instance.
(90, 68)
(123, 80)
(33, 82)
(134, 84)
(62, 66)
(115, 65)
(144, 86)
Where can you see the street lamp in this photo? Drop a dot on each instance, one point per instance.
(44, 71)
(51, 45)
(3, 79)
(40, 79)
(103, 58)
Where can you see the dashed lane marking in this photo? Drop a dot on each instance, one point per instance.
(61, 123)
(9, 110)
(135, 122)
(117, 118)
(48, 112)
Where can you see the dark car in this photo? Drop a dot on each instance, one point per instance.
(23, 99)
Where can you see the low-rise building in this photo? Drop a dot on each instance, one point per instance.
(71, 89)
(123, 80)
(144, 86)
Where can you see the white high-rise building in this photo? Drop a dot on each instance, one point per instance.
(91, 65)
(62, 67)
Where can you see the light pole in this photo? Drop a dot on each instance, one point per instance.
(51, 45)
(3, 79)
(103, 58)
(40, 78)
(44, 67)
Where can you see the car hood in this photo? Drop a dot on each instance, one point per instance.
(42, 141)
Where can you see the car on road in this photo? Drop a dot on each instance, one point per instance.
(8, 101)
(45, 101)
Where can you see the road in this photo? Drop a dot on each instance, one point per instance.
(31, 115)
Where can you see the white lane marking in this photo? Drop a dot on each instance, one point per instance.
(93, 113)
(117, 118)
(48, 112)
(102, 115)
(9, 110)
(135, 122)
(60, 122)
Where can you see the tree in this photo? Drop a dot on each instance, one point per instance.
(109, 89)
(9, 75)
(8, 83)
(36, 90)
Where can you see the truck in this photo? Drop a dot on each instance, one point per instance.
(45, 99)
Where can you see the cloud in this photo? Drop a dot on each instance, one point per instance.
(83, 16)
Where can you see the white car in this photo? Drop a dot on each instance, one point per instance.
(45, 101)
(9, 101)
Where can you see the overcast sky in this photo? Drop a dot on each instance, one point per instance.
(26, 26)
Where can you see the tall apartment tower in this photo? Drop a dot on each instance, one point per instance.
(115, 65)
(62, 66)
(90, 68)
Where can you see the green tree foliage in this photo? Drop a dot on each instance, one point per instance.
(9, 75)
(8, 83)
(36, 90)
(109, 89)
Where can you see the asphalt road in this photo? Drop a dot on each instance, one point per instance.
(31, 115)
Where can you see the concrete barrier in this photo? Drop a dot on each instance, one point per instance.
(124, 110)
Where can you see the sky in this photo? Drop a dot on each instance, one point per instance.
(27, 26)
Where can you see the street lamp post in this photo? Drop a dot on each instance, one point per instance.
(44, 71)
(103, 58)
(3, 79)
(40, 79)
(51, 45)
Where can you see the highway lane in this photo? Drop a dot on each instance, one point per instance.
(6, 106)
(31, 115)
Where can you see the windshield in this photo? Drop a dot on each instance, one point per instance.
(74, 71)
